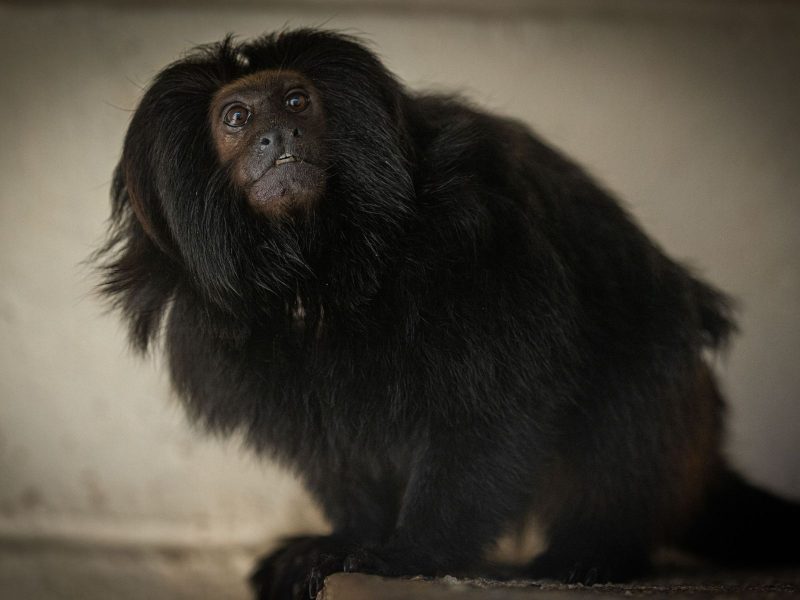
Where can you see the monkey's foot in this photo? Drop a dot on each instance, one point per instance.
(588, 571)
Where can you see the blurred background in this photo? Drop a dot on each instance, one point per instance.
(689, 110)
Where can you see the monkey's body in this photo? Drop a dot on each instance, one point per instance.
(456, 329)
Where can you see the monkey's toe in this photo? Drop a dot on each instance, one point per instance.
(367, 561)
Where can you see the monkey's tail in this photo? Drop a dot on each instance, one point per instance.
(742, 525)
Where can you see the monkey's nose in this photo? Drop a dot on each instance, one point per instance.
(271, 137)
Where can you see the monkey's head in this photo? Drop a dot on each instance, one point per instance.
(256, 172)
(269, 128)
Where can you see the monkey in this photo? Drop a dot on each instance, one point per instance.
(440, 323)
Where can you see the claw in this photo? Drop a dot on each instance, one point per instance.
(315, 583)
(351, 564)
(572, 576)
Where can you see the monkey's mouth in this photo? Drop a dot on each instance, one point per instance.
(286, 158)
(289, 182)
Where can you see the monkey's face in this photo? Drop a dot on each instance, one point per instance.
(268, 129)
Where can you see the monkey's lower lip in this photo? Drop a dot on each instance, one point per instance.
(290, 161)
(285, 158)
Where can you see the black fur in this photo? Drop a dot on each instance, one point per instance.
(466, 329)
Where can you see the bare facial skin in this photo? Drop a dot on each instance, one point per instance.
(268, 129)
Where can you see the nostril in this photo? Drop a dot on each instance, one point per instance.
(296, 132)
(265, 141)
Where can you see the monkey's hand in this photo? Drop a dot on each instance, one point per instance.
(296, 570)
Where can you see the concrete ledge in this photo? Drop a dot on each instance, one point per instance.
(693, 585)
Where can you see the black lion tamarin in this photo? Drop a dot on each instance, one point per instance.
(440, 323)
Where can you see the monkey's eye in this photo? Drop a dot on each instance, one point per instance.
(236, 116)
(297, 101)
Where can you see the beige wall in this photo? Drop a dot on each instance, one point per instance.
(691, 114)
